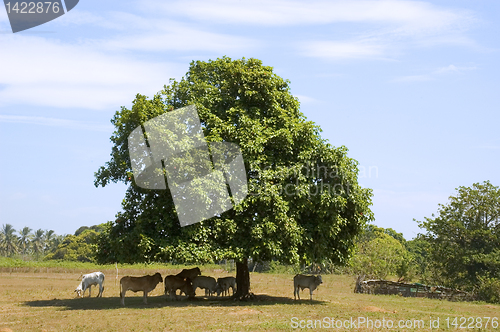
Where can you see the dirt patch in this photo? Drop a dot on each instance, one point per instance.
(376, 309)
(246, 311)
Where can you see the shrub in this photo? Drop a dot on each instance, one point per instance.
(488, 290)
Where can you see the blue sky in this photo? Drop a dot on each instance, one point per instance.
(409, 87)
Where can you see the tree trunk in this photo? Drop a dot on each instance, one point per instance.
(243, 281)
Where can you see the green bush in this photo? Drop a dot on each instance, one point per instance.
(80, 248)
(277, 267)
(488, 290)
(380, 257)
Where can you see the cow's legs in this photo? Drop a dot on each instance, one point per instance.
(90, 286)
(122, 296)
(311, 292)
(145, 297)
(296, 291)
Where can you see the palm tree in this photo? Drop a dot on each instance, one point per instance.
(9, 239)
(56, 241)
(25, 239)
(38, 242)
(49, 237)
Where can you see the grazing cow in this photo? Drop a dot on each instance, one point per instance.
(145, 284)
(88, 280)
(173, 283)
(223, 285)
(189, 273)
(301, 281)
(208, 283)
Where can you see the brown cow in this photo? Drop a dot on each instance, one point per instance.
(223, 285)
(189, 273)
(145, 284)
(173, 283)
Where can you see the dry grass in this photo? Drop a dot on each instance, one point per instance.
(45, 301)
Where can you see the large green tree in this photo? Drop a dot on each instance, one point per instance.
(464, 237)
(304, 202)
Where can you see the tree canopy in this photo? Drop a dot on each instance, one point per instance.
(381, 252)
(304, 202)
(80, 247)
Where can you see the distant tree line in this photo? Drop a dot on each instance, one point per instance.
(46, 244)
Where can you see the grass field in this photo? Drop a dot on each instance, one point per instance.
(41, 298)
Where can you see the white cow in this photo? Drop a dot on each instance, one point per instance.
(301, 281)
(208, 283)
(88, 280)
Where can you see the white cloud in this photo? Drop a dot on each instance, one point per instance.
(414, 78)
(412, 14)
(104, 72)
(390, 26)
(305, 99)
(342, 50)
(179, 37)
(54, 122)
(67, 75)
(453, 69)
(447, 70)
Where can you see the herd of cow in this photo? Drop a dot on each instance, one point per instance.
(187, 281)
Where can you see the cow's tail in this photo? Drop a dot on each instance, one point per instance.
(102, 283)
(121, 289)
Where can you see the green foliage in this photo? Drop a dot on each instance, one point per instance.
(383, 252)
(419, 249)
(304, 203)
(464, 239)
(25, 238)
(278, 268)
(38, 242)
(380, 257)
(371, 232)
(8, 240)
(81, 248)
(97, 228)
(488, 290)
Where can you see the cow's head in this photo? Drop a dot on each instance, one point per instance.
(318, 280)
(157, 277)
